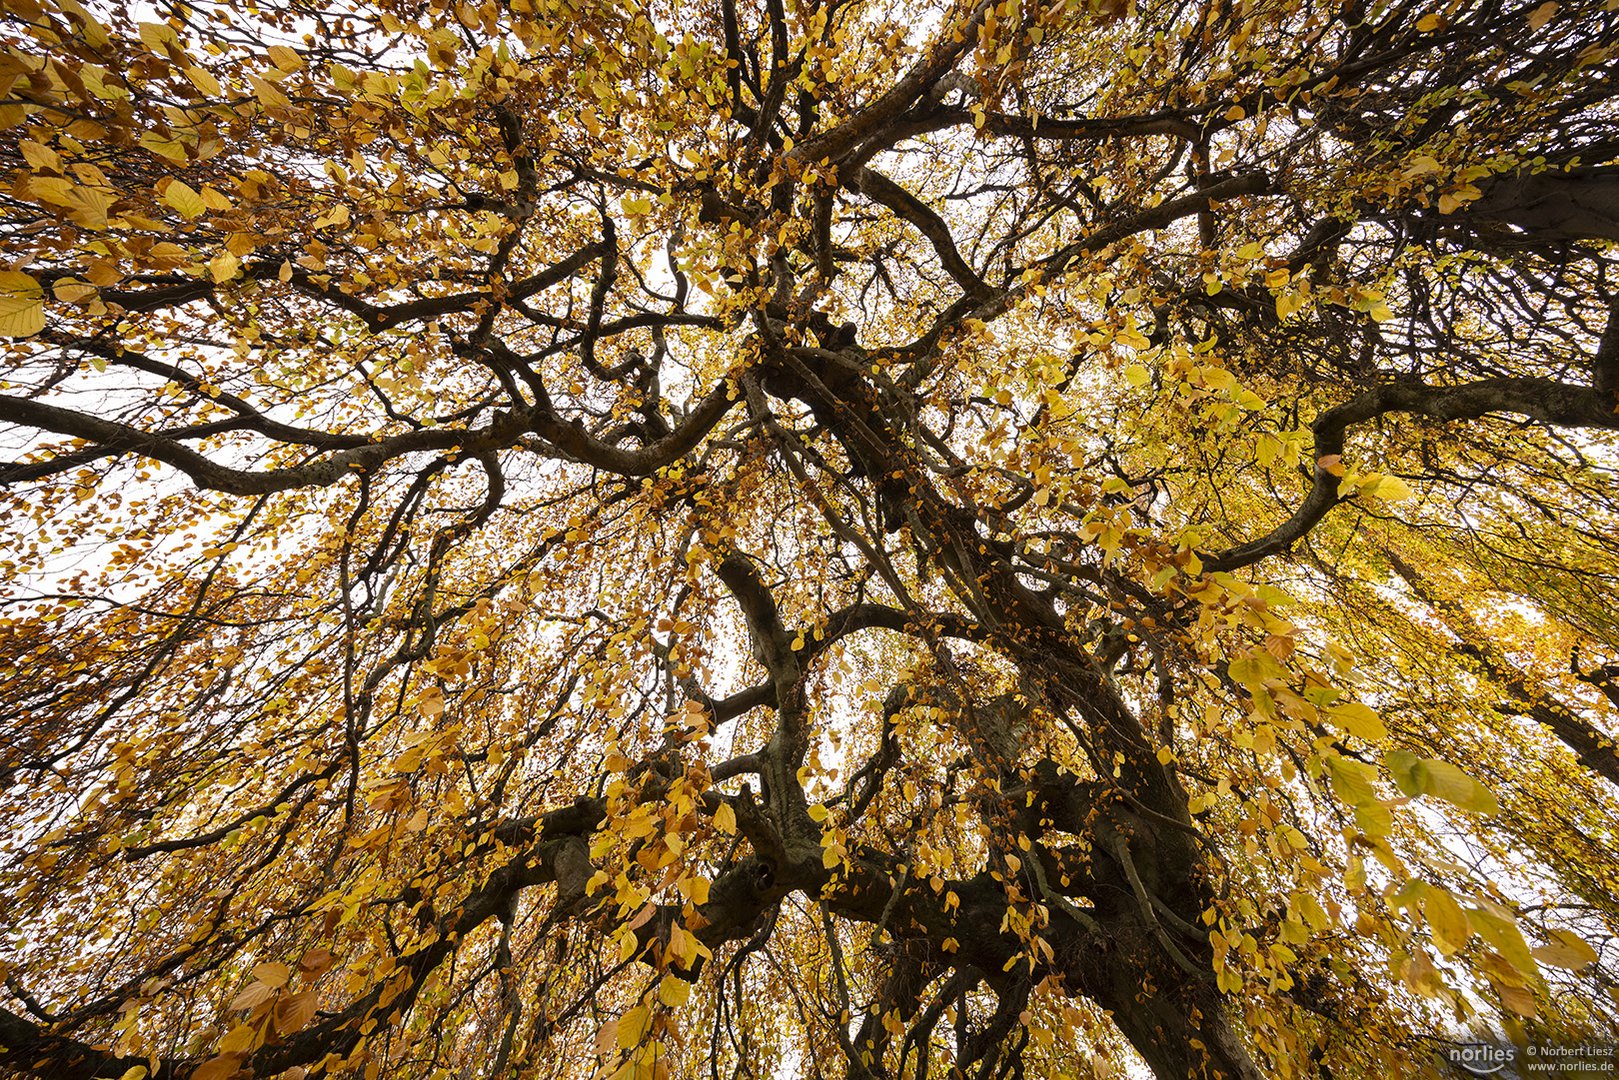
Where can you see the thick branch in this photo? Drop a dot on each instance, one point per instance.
(1539, 399)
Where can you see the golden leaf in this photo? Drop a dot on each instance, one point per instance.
(22, 305)
(272, 975)
(1565, 950)
(1446, 920)
(293, 1012)
(257, 993)
(183, 198)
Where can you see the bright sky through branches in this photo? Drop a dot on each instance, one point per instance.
(650, 540)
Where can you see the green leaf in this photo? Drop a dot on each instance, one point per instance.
(1430, 776)
(1445, 780)
(1403, 767)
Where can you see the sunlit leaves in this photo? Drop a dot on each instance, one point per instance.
(22, 308)
(1429, 776)
(1566, 950)
(179, 195)
(1358, 720)
(370, 617)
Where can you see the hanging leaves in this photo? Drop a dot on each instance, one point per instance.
(22, 307)
(1015, 538)
(1428, 776)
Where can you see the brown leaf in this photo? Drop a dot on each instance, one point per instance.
(220, 1068)
(256, 994)
(294, 1012)
(273, 975)
(316, 962)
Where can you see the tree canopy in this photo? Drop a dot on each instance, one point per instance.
(806, 538)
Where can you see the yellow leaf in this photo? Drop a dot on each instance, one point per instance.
(15, 283)
(183, 198)
(1446, 920)
(224, 266)
(284, 58)
(632, 1026)
(273, 975)
(1422, 165)
(1359, 720)
(256, 994)
(1517, 1000)
(1352, 781)
(172, 149)
(725, 819)
(269, 95)
(22, 305)
(204, 81)
(156, 36)
(1430, 776)
(1500, 931)
(50, 189)
(40, 156)
(239, 1040)
(1430, 22)
(1542, 14)
(1374, 819)
(674, 991)
(1311, 911)
(818, 812)
(1456, 787)
(1387, 488)
(411, 760)
(1565, 950)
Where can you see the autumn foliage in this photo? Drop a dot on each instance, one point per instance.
(806, 538)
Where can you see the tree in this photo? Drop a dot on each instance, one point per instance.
(556, 538)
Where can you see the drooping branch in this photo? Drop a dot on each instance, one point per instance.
(1595, 749)
(1545, 400)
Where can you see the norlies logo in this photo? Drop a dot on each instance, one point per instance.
(1479, 1059)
